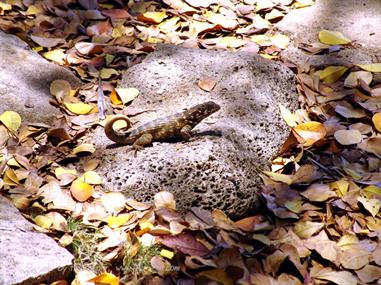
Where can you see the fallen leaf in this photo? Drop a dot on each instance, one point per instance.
(185, 243)
(338, 277)
(43, 221)
(79, 108)
(318, 193)
(206, 84)
(353, 79)
(373, 67)
(369, 273)
(306, 229)
(333, 38)
(86, 147)
(152, 17)
(127, 94)
(331, 74)
(371, 205)
(376, 119)
(311, 132)
(81, 191)
(105, 278)
(348, 137)
(355, 258)
(165, 199)
(180, 6)
(11, 120)
(347, 111)
(56, 55)
(219, 275)
(120, 220)
(91, 177)
(47, 42)
(52, 192)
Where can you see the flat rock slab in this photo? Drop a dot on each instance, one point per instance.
(358, 20)
(25, 79)
(218, 167)
(28, 257)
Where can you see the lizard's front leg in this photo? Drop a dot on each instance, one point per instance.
(185, 132)
(145, 139)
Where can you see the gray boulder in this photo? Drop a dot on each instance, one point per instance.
(28, 257)
(218, 167)
(25, 79)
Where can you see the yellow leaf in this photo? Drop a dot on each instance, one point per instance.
(373, 189)
(5, 7)
(376, 119)
(261, 39)
(57, 55)
(287, 116)
(43, 221)
(152, 17)
(86, 147)
(371, 205)
(146, 226)
(10, 178)
(331, 74)
(118, 31)
(281, 41)
(341, 187)
(60, 171)
(120, 220)
(127, 94)
(231, 42)
(373, 67)
(279, 177)
(79, 108)
(333, 38)
(11, 120)
(91, 177)
(80, 190)
(106, 279)
(306, 229)
(311, 132)
(303, 3)
(115, 99)
(167, 253)
(33, 10)
(106, 73)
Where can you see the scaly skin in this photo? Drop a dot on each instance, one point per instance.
(176, 126)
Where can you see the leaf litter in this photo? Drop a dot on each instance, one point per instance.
(321, 216)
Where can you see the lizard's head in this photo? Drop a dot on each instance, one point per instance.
(201, 111)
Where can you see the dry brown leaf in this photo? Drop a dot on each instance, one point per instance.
(318, 193)
(348, 137)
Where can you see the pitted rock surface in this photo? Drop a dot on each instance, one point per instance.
(218, 167)
(28, 257)
(25, 79)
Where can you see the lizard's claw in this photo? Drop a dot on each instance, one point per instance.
(135, 149)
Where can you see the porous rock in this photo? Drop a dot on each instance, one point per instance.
(28, 257)
(25, 79)
(218, 167)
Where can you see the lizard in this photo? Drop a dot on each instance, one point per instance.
(177, 126)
